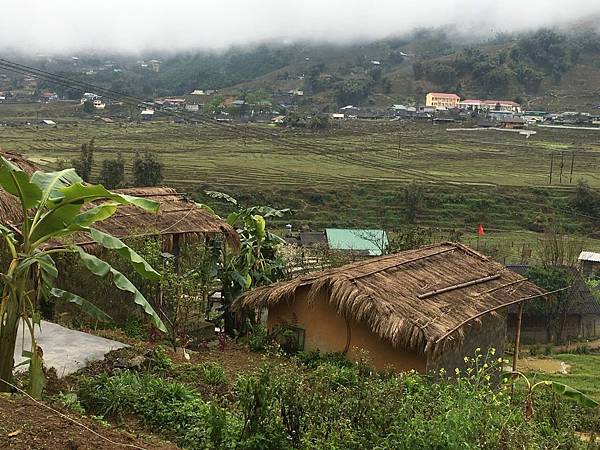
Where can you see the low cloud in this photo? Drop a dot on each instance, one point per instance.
(60, 26)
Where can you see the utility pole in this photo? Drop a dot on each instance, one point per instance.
(399, 141)
(562, 164)
(572, 164)
(551, 164)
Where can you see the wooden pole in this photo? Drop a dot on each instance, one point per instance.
(572, 164)
(562, 165)
(551, 164)
(517, 336)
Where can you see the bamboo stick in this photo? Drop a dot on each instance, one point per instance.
(459, 286)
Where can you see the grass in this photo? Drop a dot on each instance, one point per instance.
(349, 176)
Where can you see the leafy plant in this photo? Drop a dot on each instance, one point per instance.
(559, 388)
(52, 208)
(256, 263)
(213, 374)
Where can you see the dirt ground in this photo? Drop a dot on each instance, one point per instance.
(27, 426)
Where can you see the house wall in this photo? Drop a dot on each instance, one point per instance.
(436, 101)
(327, 331)
(489, 332)
(533, 329)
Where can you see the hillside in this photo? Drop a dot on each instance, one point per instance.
(545, 69)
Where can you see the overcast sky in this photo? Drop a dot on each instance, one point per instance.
(63, 26)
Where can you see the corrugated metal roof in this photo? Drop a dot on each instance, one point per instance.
(369, 241)
(589, 256)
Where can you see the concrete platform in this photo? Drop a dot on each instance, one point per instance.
(64, 349)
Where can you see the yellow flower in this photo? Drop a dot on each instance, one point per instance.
(478, 350)
(492, 351)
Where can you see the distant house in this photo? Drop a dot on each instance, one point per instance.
(350, 111)
(338, 116)
(192, 107)
(147, 114)
(48, 122)
(238, 103)
(501, 105)
(375, 62)
(362, 242)
(278, 120)
(2, 98)
(534, 116)
(582, 319)
(589, 262)
(441, 99)
(46, 97)
(177, 102)
(99, 104)
(421, 309)
(490, 105)
(471, 105)
(512, 123)
(154, 65)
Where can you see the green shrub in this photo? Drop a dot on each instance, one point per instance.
(338, 404)
(171, 408)
(258, 339)
(135, 329)
(159, 360)
(213, 373)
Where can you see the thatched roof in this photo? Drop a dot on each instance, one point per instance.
(176, 215)
(420, 299)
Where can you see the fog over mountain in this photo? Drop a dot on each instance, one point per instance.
(62, 26)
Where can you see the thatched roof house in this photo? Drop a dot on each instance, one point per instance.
(419, 309)
(177, 216)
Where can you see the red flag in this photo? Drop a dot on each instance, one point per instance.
(480, 231)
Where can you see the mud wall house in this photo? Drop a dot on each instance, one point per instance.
(420, 309)
(581, 320)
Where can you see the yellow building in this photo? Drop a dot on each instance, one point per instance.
(439, 100)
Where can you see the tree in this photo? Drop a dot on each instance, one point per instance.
(88, 107)
(352, 92)
(413, 200)
(83, 165)
(553, 311)
(52, 208)
(112, 174)
(584, 199)
(256, 263)
(147, 170)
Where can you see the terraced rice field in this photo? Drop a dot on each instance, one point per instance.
(352, 174)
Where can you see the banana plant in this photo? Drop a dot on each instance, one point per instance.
(559, 388)
(256, 262)
(52, 209)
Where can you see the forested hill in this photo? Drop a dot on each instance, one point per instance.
(545, 68)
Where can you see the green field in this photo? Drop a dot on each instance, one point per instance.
(351, 175)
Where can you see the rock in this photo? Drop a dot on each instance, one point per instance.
(564, 368)
(136, 362)
(201, 331)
